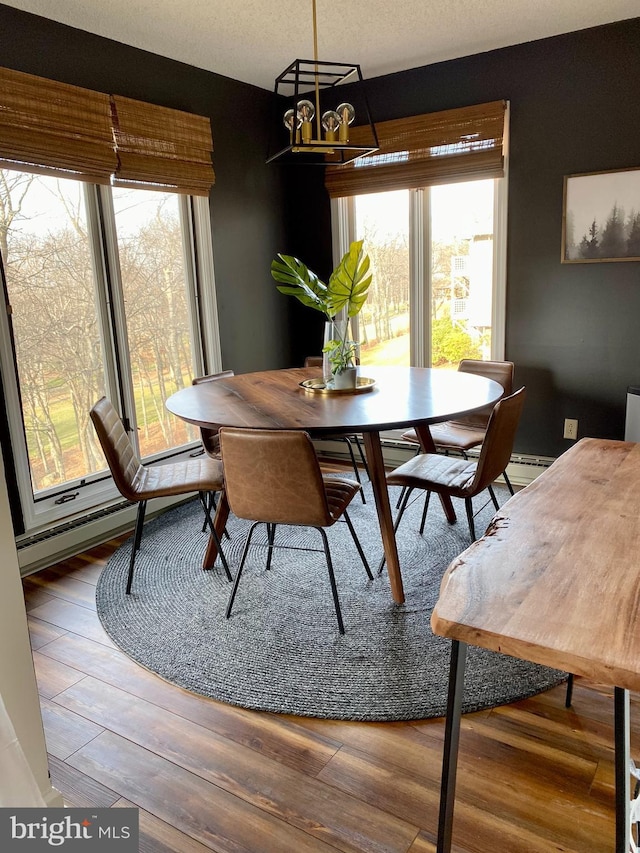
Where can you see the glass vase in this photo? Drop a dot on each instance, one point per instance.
(339, 349)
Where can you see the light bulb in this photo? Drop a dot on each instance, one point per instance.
(292, 122)
(347, 115)
(331, 123)
(306, 110)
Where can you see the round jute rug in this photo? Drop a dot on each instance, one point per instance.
(281, 649)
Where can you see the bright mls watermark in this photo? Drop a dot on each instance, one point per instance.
(114, 830)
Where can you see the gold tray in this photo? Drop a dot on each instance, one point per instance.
(317, 386)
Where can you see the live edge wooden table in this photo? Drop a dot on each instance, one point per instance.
(401, 397)
(555, 580)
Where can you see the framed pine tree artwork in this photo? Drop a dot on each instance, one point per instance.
(601, 217)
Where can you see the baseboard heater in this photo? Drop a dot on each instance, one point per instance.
(44, 548)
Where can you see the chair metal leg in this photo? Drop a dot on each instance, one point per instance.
(469, 508)
(407, 494)
(401, 496)
(569, 694)
(424, 512)
(213, 505)
(362, 456)
(216, 538)
(271, 535)
(347, 441)
(332, 580)
(135, 545)
(358, 545)
(327, 553)
(508, 482)
(493, 497)
(245, 551)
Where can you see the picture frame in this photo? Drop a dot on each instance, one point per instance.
(601, 217)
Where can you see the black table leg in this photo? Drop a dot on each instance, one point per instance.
(451, 740)
(623, 774)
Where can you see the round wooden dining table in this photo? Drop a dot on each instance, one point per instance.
(396, 397)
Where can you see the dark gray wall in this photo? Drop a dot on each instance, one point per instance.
(573, 330)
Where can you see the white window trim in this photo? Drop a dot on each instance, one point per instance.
(211, 358)
(343, 226)
(500, 211)
(121, 395)
(419, 276)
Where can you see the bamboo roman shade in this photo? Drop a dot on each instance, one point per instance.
(55, 128)
(419, 151)
(163, 147)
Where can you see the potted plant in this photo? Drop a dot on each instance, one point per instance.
(346, 292)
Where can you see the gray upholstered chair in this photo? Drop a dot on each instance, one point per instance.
(463, 478)
(139, 483)
(273, 477)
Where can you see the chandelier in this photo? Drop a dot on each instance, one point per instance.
(315, 126)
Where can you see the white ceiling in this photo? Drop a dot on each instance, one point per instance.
(254, 40)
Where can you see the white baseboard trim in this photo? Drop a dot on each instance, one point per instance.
(43, 550)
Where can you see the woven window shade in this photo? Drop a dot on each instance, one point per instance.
(54, 128)
(161, 147)
(419, 151)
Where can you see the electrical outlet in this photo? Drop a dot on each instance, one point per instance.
(570, 429)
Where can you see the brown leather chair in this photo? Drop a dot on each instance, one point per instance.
(273, 477)
(349, 440)
(468, 432)
(139, 483)
(462, 478)
(209, 437)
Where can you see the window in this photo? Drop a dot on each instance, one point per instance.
(382, 221)
(156, 309)
(434, 225)
(432, 252)
(107, 269)
(105, 298)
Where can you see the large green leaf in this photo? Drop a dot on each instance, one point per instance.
(299, 281)
(349, 283)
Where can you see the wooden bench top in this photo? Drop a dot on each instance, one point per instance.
(556, 578)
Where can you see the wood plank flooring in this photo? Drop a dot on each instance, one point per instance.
(533, 776)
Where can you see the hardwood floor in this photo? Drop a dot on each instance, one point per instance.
(533, 776)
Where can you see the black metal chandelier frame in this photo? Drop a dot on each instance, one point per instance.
(311, 77)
